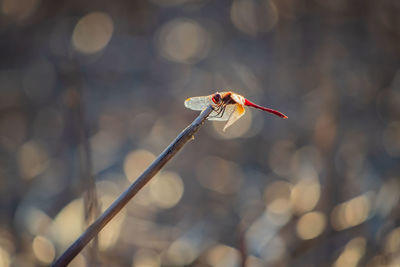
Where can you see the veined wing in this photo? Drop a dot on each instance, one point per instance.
(238, 112)
(223, 115)
(198, 102)
(238, 98)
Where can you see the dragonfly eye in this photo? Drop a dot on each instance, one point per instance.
(216, 98)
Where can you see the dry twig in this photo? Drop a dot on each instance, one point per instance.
(133, 189)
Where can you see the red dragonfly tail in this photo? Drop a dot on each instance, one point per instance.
(277, 113)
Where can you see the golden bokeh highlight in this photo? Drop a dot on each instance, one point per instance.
(277, 190)
(353, 252)
(392, 243)
(92, 33)
(311, 225)
(277, 200)
(32, 159)
(279, 206)
(163, 191)
(267, 191)
(382, 260)
(5, 259)
(181, 252)
(388, 196)
(351, 213)
(166, 189)
(68, 224)
(305, 195)
(136, 162)
(43, 249)
(146, 258)
(222, 255)
(183, 41)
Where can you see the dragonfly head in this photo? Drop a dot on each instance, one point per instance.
(216, 98)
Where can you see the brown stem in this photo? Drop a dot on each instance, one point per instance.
(133, 189)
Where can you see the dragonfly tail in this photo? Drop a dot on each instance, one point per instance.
(273, 111)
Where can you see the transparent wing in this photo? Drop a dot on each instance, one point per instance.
(238, 98)
(198, 102)
(238, 112)
(222, 116)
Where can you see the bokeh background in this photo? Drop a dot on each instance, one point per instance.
(92, 91)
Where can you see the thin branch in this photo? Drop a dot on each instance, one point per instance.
(133, 189)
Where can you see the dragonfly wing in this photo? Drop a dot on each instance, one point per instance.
(198, 102)
(238, 112)
(223, 115)
(238, 98)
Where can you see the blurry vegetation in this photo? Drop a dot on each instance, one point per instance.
(319, 189)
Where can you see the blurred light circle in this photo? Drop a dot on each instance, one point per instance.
(146, 258)
(181, 252)
(388, 197)
(305, 195)
(166, 189)
(311, 225)
(92, 32)
(183, 41)
(352, 212)
(353, 252)
(222, 255)
(68, 224)
(392, 244)
(279, 211)
(33, 160)
(136, 162)
(277, 190)
(43, 249)
(238, 129)
(277, 200)
(5, 259)
(253, 16)
(19, 9)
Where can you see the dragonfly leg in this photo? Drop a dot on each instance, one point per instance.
(220, 111)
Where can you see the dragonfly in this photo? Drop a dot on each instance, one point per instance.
(227, 106)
